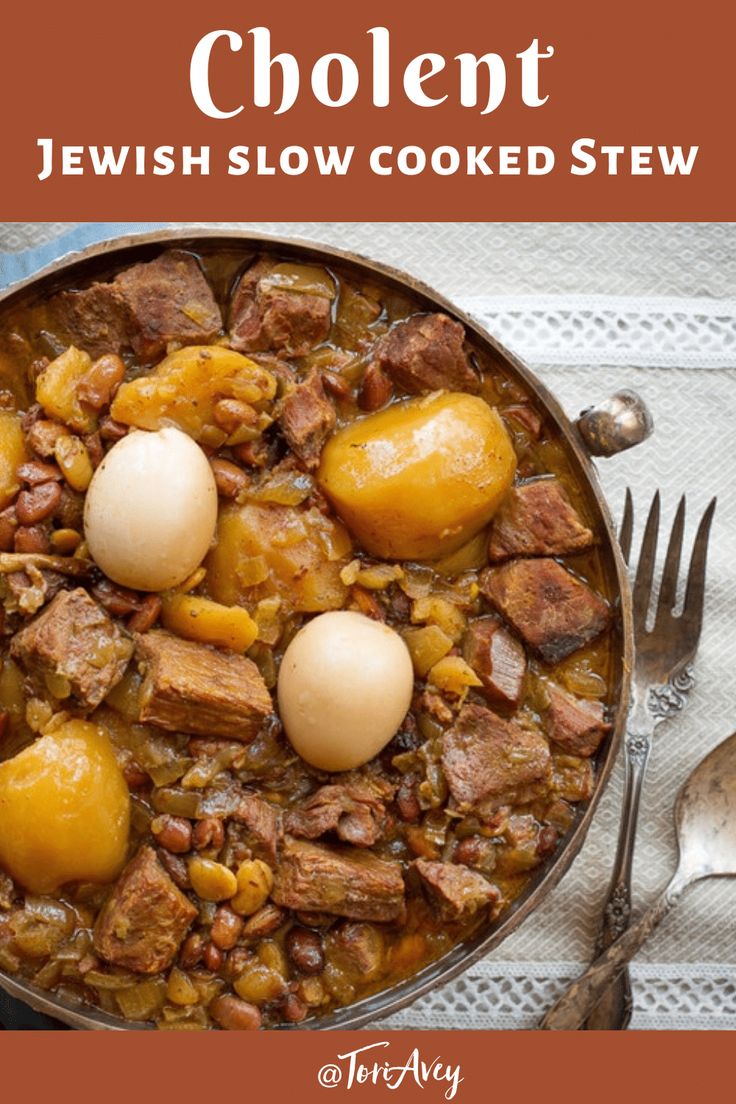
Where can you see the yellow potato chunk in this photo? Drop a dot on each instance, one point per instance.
(56, 390)
(299, 554)
(12, 453)
(185, 387)
(64, 810)
(416, 481)
(197, 618)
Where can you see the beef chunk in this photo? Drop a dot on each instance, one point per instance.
(498, 659)
(489, 762)
(73, 643)
(144, 921)
(191, 687)
(476, 851)
(360, 947)
(425, 353)
(353, 809)
(264, 316)
(339, 881)
(96, 319)
(307, 417)
(576, 725)
(537, 519)
(169, 299)
(552, 611)
(262, 822)
(456, 891)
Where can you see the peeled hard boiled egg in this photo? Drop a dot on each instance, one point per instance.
(345, 686)
(151, 510)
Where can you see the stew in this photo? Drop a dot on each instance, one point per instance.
(208, 463)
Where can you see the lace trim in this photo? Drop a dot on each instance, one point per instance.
(516, 995)
(654, 333)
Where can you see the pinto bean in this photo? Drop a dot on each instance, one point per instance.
(37, 503)
(208, 834)
(407, 801)
(226, 928)
(294, 1010)
(110, 430)
(375, 390)
(192, 950)
(229, 478)
(31, 538)
(213, 958)
(119, 601)
(95, 451)
(172, 832)
(147, 616)
(43, 435)
(234, 1014)
(304, 948)
(266, 921)
(97, 386)
(231, 414)
(36, 471)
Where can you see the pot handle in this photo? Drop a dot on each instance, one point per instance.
(616, 424)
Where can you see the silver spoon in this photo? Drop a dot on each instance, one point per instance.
(705, 819)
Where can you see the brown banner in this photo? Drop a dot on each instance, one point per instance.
(328, 1068)
(627, 118)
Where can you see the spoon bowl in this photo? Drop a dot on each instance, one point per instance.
(705, 816)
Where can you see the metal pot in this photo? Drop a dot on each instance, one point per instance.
(615, 424)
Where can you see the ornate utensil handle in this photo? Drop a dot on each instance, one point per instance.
(614, 1010)
(577, 1002)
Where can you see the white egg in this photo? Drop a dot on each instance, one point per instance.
(345, 686)
(151, 510)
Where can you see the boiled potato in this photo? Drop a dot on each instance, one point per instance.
(419, 479)
(12, 453)
(64, 810)
(265, 550)
(56, 390)
(184, 388)
(210, 622)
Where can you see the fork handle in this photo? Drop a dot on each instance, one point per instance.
(578, 1000)
(613, 1010)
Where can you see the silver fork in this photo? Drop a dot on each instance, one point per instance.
(662, 680)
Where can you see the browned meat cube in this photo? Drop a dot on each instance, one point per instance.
(262, 822)
(537, 519)
(498, 659)
(339, 881)
(456, 891)
(577, 725)
(307, 418)
(353, 809)
(74, 649)
(489, 762)
(552, 611)
(145, 919)
(169, 299)
(96, 319)
(264, 317)
(191, 687)
(425, 353)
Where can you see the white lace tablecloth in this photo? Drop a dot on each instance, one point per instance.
(595, 307)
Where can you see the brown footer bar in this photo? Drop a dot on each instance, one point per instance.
(329, 1067)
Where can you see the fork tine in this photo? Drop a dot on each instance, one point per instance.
(692, 610)
(668, 588)
(645, 568)
(627, 526)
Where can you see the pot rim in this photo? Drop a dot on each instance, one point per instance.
(463, 955)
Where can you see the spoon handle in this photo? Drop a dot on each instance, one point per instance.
(576, 1003)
